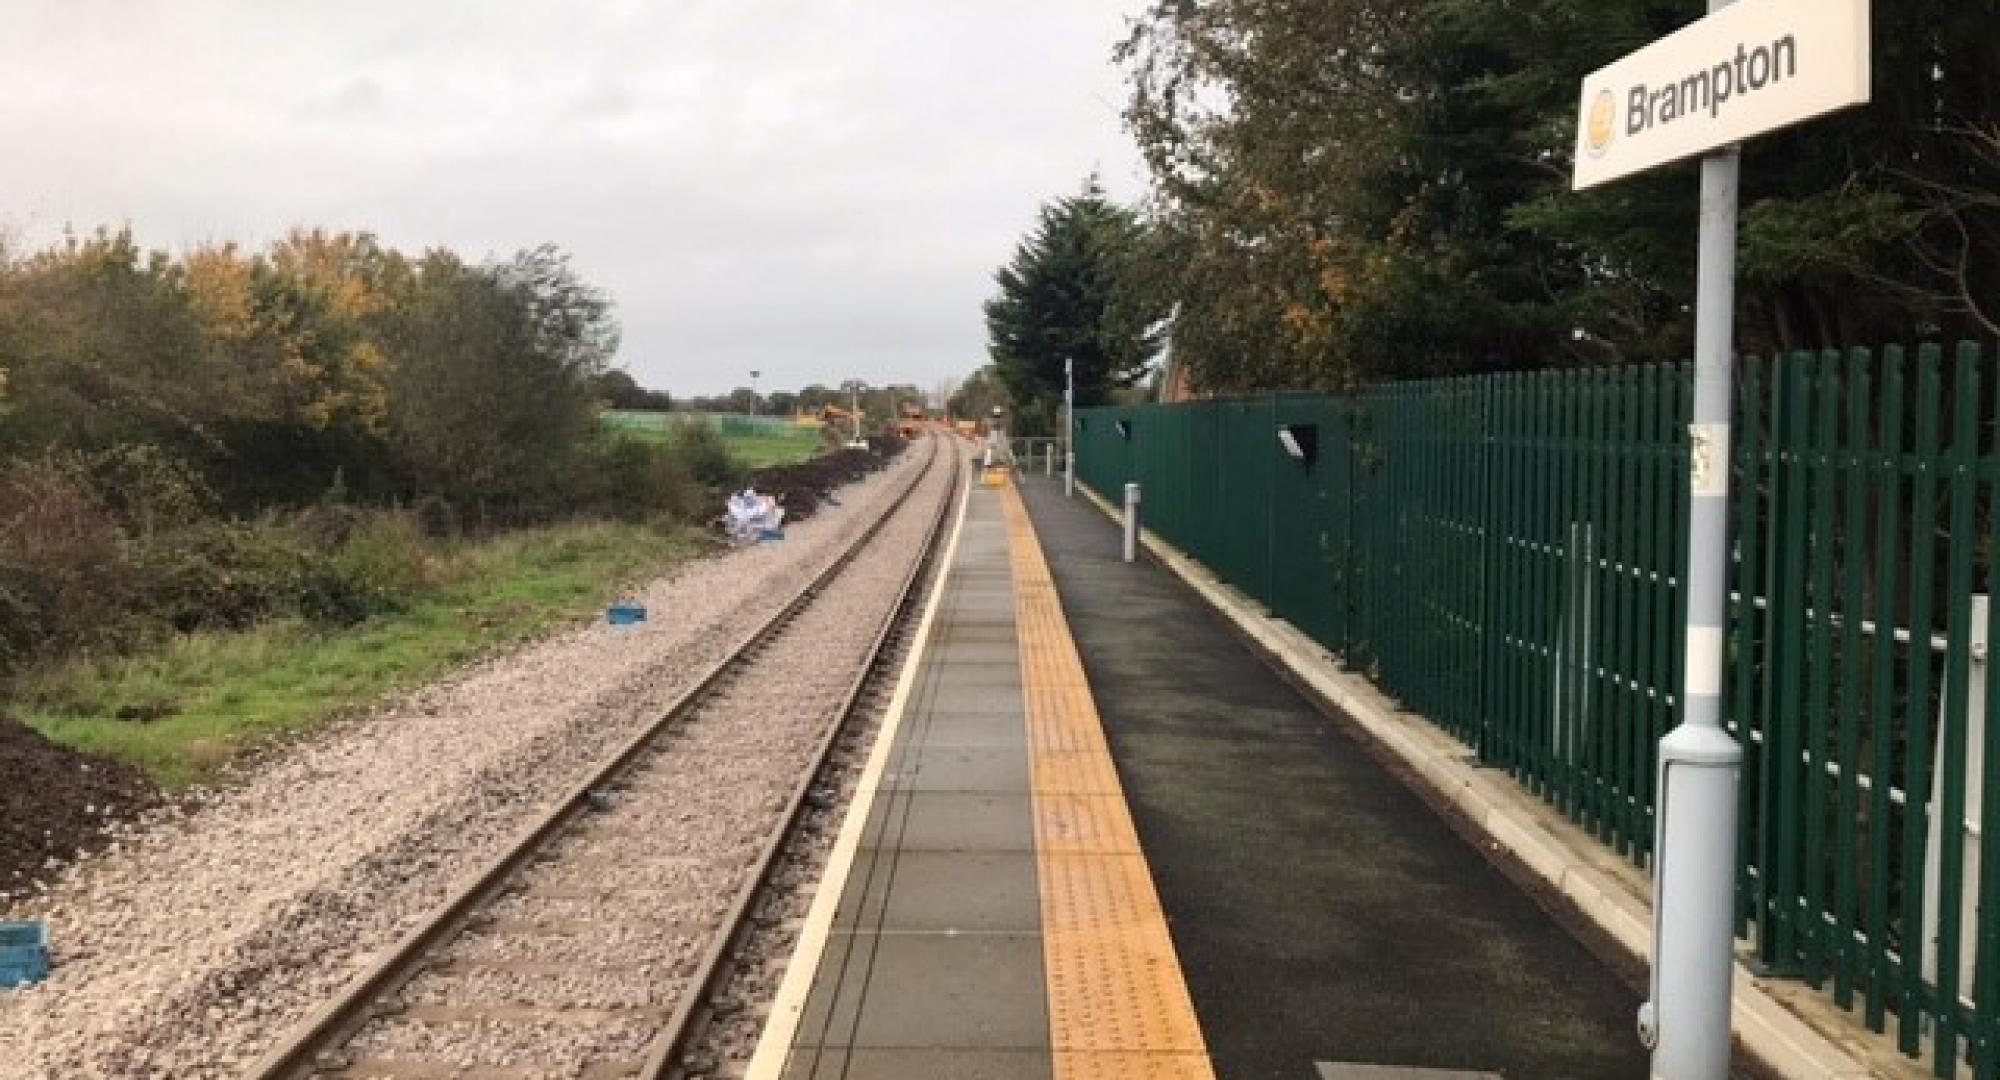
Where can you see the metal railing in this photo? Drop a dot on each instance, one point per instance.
(1504, 554)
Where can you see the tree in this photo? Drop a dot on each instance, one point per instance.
(99, 347)
(497, 385)
(976, 395)
(1355, 190)
(1073, 291)
(619, 390)
(742, 400)
(817, 396)
(322, 299)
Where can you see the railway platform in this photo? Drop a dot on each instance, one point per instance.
(1100, 838)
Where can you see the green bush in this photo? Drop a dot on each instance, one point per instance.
(67, 555)
(146, 487)
(631, 479)
(215, 575)
(24, 612)
(705, 454)
(386, 551)
(231, 575)
(326, 596)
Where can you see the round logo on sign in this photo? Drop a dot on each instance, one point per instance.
(1599, 125)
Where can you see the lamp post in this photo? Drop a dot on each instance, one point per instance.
(1069, 427)
(854, 388)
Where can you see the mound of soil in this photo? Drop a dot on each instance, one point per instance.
(800, 488)
(55, 802)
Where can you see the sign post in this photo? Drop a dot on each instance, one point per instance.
(1745, 69)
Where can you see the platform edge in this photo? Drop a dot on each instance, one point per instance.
(774, 1043)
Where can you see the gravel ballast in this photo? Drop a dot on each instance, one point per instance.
(204, 933)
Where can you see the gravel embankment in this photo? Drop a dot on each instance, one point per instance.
(202, 935)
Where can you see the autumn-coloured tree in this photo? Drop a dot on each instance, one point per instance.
(278, 373)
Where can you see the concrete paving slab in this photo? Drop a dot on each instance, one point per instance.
(936, 991)
(866, 1064)
(964, 768)
(976, 652)
(1005, 671)
(933, 967)
(995, 729)
(953, 698)
(972, 609)
(986, 633)
(955, 892)
(952, 821)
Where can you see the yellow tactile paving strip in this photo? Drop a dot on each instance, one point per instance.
(1118, 1003)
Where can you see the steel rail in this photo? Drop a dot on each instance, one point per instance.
(694, 1011)
(304, 1051)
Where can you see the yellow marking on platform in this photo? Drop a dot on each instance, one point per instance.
(1083, 825)
(1073, 772)
(1117, 1065)
(1118, 1002)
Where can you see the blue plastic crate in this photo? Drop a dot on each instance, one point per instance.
(24, 953)
(625, 614)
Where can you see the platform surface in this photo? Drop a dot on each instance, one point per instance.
(1110, 842)
(998, 920)
(1322, 912)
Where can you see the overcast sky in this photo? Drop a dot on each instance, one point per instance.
(817, 190)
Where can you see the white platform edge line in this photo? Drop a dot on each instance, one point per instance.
(1771, 1032)
(774, 1045)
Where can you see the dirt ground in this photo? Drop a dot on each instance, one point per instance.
(802, 487)
(55, 802)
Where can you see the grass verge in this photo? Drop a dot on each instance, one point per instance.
(225, 691)
(753, 442)
(759, 451)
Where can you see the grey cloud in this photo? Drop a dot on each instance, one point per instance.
(813, 190)
(358, 98)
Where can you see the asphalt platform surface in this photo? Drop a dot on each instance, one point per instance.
(1322, 911)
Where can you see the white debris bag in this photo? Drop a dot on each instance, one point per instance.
(749, 514)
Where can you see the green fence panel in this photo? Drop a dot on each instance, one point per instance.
(1505, 555)
(1308, 520)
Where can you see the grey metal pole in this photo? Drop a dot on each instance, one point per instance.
(1069, 427)
(1686, 1024)
(1131, 522)
(1049, 459)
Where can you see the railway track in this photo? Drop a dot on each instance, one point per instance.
(597, 944)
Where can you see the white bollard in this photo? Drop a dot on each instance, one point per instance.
(1049, 460)
(1131, 522)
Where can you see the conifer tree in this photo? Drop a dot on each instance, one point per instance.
(1072, 291)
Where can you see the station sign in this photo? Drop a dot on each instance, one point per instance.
(1749, 68)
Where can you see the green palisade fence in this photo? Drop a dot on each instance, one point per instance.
(1503, 554)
